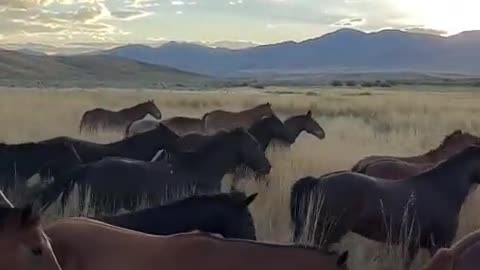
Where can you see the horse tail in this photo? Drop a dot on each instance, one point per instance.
(301, 196)
(63, 184)
(85, 121)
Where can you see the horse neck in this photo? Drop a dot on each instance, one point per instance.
(135, 113)
(454, 177)
(255, 112)
(295, 126)
(152, 140)
(214, 162)
(262, 134)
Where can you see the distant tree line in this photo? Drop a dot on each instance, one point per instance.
(350, 83)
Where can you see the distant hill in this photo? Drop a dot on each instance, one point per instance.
(345, 50)
(87, 70)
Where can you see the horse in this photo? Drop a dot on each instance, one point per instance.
(220, 119)
(85, 244)
(264, 130)
(451, 144)
(180, 124)
(118, 183)
(140, 147)
(23, 243)
(184, 125)
(18, 162)
(304, 122)
(394, 169)
(225, 214)
(420, 212)
(97, 118)
(463, 255)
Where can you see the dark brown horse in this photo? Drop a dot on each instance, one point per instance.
(117, 120)
(394, 169)
(225, 214)
(419, 212)
(304, 122)
(463, 255)
(220, 119)
(453, 143)
(23, 243)
(117, 183)
(84, 244)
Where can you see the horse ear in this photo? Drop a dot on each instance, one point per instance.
(250, 199)
(309, 113)
(342, 260)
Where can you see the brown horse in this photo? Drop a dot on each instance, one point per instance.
(23, 243)
(304, 122)
(84, 244)
(418, 212)
(220, 119)
(97, 118)
(180, 124)
(394, 169)
(463, 255)
(452, 143)
(183, 125)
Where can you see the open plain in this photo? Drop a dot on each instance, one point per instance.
(401, 121)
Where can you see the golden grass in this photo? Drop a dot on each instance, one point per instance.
(384, 122)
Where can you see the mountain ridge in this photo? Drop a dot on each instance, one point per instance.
(344, 49)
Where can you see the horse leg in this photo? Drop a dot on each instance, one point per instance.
(412, 253)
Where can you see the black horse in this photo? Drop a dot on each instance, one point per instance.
(226, 214)
(417, 212)
(18, 162)
(140, 147)
(264, 130)
(117, 183)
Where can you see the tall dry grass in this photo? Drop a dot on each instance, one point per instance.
(357, 124)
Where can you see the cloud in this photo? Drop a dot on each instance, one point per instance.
(130, 14)
(349, 22)
(421, 30)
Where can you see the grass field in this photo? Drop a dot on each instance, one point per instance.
(357, 123)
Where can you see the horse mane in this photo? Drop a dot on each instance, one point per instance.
(471, 150)
(213, 140)
(221, 198)
(148, 133)
(25, 216)
(139, 105)
(447, 139)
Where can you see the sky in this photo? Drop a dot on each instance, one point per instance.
(112, 22)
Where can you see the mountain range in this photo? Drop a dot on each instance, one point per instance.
(345, 50)
(27, 68)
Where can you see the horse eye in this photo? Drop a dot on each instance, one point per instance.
(37, 251)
